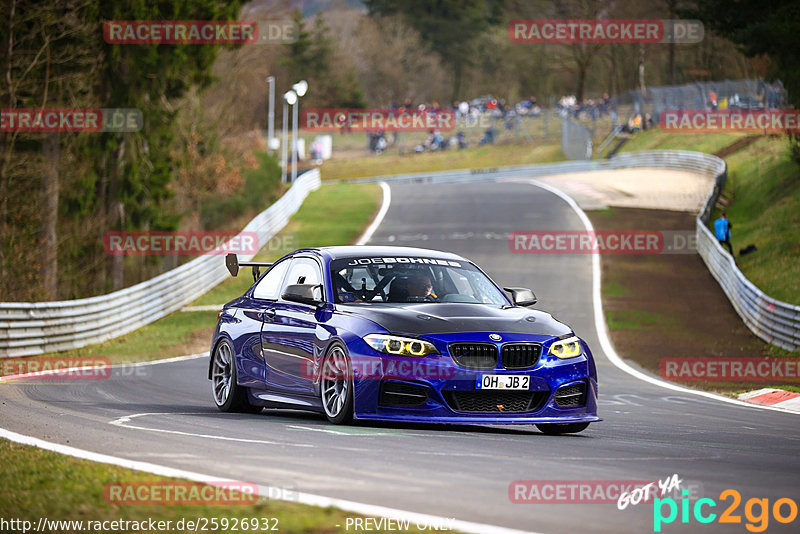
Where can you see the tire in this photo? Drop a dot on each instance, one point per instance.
(562, 428)
(336, 386)
(228, 395)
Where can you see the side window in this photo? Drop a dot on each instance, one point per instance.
(269, 286)
(303, 271)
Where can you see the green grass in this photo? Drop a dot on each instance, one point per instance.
(333, 215)
(630, 319)
(35, 483)
(487, 156)
(175, 335)
(614, 290)
(657, 139)
(764, 193)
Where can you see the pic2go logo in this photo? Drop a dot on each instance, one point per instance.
(758, 521)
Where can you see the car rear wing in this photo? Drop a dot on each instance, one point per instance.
(232, 263)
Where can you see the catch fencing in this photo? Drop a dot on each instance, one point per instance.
(29, 328)
(724, 94)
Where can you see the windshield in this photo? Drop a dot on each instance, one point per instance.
(405, 279)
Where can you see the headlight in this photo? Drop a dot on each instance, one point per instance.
(566, 348)
(400, 346)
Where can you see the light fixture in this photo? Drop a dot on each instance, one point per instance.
(300, 87)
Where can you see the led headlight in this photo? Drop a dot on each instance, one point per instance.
(566, 348)
(400, 346)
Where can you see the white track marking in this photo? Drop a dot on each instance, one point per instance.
(602, 329)
(165, 360)
(273, 492)
(376, 222)
(123, 422)
(47, 372)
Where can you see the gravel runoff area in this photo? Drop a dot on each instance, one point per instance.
(661, 305)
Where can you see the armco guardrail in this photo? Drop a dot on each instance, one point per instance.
(773, 321)
(40, 327)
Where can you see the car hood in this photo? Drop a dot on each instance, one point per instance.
(447, 318)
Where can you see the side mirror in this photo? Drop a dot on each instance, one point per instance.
(303, 293)
(521, 296)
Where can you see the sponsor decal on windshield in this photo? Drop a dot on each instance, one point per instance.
(421, 261)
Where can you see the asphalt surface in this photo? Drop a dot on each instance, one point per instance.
(164, 414)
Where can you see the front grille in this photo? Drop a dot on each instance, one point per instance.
(474, 355)
(570, 396)
(520, 355)
(402, 394)
(492, 401)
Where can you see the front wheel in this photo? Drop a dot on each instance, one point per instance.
(228, 395)
(336, 386)
(562, 428)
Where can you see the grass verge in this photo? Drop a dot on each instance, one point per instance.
(762, 200)
(35, 483)
(487, 156)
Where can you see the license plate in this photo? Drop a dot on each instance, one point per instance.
(522, 382)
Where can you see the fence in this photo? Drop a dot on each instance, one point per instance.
(725, 94)
(773, 321)
(40, 327)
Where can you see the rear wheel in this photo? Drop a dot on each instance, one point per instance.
(562, 428)
(336, 386)
(228, 395)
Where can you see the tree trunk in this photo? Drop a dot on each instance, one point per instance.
(48, 224)
(458, 70)
(581, 82)
(672, 15)
(116, 213)
(117, 260)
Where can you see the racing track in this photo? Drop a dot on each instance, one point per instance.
(164, 413)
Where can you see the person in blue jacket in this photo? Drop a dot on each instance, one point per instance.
(722, 229)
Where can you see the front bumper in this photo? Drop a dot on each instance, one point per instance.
(436, 389)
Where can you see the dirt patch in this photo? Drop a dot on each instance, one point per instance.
(736, 146)
(194, 343)
(668, 305)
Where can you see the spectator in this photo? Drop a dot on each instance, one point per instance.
(722, 229)
(462, 142)
(488, 136)
(463, 109)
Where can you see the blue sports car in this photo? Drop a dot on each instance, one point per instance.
(397, 334)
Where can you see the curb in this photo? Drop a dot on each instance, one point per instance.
(779, 398)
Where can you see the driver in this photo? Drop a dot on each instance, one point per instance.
(419, 285)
